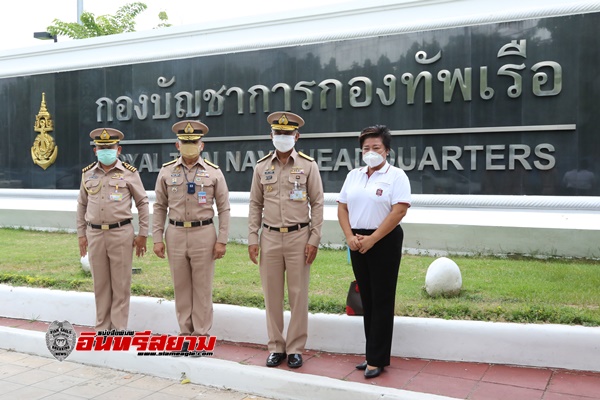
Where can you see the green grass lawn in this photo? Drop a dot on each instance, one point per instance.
(494, 289)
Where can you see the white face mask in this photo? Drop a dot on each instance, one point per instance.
(373, 159)
(284, 143)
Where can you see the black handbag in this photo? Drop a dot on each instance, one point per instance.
(353, 302)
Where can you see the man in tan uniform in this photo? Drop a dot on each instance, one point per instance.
(286, 201)
(104, 226)
(188, 187)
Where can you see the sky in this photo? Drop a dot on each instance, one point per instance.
(22, 18)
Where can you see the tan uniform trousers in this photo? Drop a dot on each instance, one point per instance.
(190, 253)
(282, 256)
(111, 255)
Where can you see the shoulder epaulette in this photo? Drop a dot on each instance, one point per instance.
(129, 167)
(309, 158)
(89, 167)
(215, 166)
(265, 157)
(169, 163)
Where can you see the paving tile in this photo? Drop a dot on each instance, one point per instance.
(30, 377)
(561, 396)
(580, 384)
(7, 370)
(11, 356)
(533, 378)
(27, 392)
(90, 388)
(441, 385)
(64, 396)
(495, 391)
(60, 367)
(163, 396)
(39, 326)
(330, 365)
(60, 382)
(151, 383)
(186, 391)
(410, 364)
(8, 387)
(464, 370)
(33, 361)
(223, 394)
(125, 392)
(233, 352)
(11, 322)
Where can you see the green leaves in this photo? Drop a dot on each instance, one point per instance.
(103, 25)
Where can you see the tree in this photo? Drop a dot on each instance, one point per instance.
(164, 20)
(122, 21)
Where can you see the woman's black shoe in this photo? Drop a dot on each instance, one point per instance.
(362, 366)
(373, 373)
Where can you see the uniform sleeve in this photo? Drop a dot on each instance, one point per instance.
(160, 208)
(317, 203)
(223, 208)
(401, 189)
(81, 209)
(141, 203)
(256, 208)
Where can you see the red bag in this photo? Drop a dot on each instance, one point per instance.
(353, 302)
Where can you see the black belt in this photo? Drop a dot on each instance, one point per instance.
(191, 224)
(106, 227)
(287, 229)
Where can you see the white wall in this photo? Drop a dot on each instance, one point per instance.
(435, 224)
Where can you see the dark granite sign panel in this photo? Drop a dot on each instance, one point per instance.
(506, 108)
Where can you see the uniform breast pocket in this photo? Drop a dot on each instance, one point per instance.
(205, 188)
(175, 186)
(297, 180)
(297, 187)
(269, 184)
(92, 187)
(381, 192)
(117, 190)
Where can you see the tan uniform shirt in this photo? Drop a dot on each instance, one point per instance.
(172, 193)
(272, 186)
(105, 197)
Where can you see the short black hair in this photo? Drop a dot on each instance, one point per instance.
(377, 131)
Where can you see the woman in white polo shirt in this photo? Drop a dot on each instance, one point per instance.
(373, 201)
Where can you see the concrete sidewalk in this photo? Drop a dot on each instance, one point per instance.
(24, 376)
(240, 367)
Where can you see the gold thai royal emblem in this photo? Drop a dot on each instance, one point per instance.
(43, 151)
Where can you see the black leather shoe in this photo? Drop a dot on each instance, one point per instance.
(275, 359)
(295, 360)
(373, 373)
(362, 366)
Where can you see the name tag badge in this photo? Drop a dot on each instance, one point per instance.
(116, 196)
(297, 195)
(201, 197)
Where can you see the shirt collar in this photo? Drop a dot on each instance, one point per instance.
(199, 162)
(293, 156)
(118, 165)
(382, 170)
